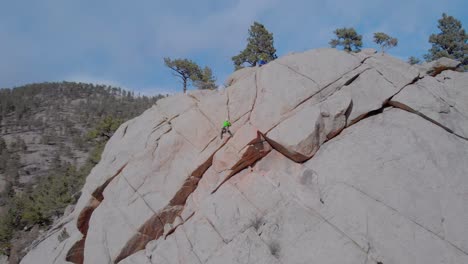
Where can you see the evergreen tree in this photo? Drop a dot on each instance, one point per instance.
(385, 41)
(105, 129)
(451, 42)
(184, 69)
(259, 47)
(6, 233)
(413, 60)
(348, 38)
(206, 80)
(4, 155)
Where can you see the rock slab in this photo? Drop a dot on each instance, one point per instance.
(335, 158)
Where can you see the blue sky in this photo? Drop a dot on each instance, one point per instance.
(122, 43)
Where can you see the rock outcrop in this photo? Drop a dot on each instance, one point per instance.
(336, 158)
(435, 67)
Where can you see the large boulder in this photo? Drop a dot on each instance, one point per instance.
(335, 157)
(289, 81)
(395, 71)
(301, 135)
(435, 67)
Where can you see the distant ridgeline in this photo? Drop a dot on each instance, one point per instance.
(90, 102)
(51, 135)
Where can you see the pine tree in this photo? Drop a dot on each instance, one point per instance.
(413, 60)
(451, 42)
(385, 41)
(105, 129)
(259, 47)
(184, 69)
(206, 80)
(348, 38)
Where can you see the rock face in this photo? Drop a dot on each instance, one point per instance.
(335, 158)
(433, 68)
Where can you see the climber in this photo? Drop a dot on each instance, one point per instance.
(226, 125)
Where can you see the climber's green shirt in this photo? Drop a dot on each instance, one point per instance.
(226, 124)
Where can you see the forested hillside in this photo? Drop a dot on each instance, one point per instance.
(51, 135)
